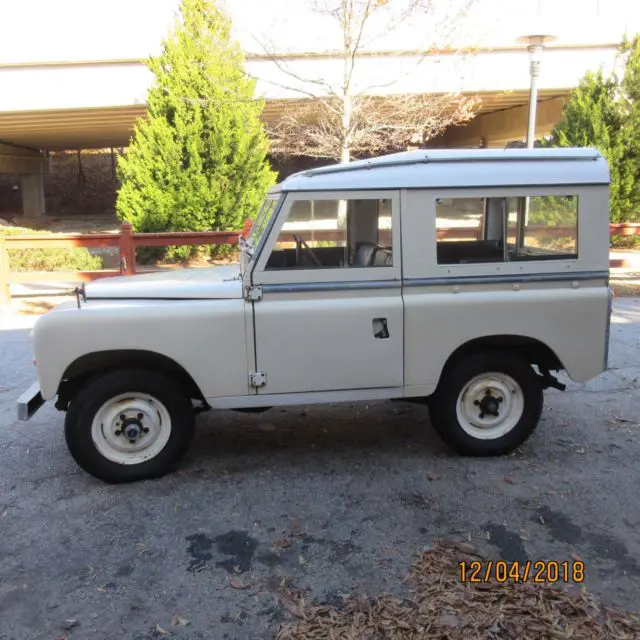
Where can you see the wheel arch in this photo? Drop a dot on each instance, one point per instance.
(89, 365)
(533, 350)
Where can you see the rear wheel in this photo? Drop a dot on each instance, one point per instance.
(129, 425)
(487, 404)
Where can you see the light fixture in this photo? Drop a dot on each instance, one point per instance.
(535, 45)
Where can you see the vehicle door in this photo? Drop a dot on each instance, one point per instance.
(327, 309)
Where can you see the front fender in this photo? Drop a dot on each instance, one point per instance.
(205, 337)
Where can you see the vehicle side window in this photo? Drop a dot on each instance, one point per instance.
(542, 228)
(469, 230)
(476, 230)
(330, 234)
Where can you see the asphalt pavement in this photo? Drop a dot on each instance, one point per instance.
(334, 498)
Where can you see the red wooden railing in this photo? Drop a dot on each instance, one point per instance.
(126, 241)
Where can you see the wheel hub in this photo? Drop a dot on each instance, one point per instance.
(131, 428)
(490, 405)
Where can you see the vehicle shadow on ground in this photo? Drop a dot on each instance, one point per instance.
(322, 433)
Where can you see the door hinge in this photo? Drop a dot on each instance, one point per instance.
(253, 293)
(257, 379)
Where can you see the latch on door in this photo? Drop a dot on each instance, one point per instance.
(380, 329)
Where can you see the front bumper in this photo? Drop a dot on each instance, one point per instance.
(29, 402)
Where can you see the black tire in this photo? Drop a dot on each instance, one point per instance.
(442, 407)
(99, 390)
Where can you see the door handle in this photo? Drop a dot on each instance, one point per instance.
(380, 328)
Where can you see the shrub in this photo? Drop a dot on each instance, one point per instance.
(198, 161)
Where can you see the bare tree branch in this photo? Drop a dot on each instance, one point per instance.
(340, 123)
(276, 59)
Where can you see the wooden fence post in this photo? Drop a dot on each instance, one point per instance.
(5, 291)
(246, 228)
(127, 250)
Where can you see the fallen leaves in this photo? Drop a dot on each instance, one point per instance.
(236, 583)
(617, 421)
(441, 606)
(282, 543)
(142, 548)
(179, 621)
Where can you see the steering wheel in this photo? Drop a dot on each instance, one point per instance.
(302, 243)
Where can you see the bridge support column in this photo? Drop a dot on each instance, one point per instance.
(29, 164)
(32, 187)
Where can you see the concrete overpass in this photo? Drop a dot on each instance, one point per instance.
(52, 106)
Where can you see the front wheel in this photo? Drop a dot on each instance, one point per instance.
(129, 425)
(487, 404)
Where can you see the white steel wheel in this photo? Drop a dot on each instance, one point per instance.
(487, 403)
(131, 428)
(129, 424)
(490, 405)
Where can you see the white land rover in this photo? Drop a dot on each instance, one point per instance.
(459, 278)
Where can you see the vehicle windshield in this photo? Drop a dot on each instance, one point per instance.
(260, 224)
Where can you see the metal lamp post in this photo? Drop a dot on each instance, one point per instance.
(535, 47)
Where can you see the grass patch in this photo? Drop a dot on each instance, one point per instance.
(625, 288)
(54, 259)
(625, 242)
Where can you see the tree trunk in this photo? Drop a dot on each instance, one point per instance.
(346, 12)
(345, 151)
(347, 114)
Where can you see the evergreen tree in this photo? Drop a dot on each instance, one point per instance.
(197, 162)
(592, 118)
(604, 112)
(630, 95)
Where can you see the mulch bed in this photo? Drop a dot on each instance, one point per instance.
(439, 606)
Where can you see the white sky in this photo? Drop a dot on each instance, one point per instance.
(45, 30)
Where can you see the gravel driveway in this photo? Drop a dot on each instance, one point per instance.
(334, 497)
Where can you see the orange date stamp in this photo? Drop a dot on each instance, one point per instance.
(548, 571)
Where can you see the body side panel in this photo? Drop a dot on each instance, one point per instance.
(570, 321)
(205, 337)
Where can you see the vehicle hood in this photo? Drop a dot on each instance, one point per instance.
(222, 282)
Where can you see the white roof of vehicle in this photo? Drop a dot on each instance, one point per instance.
(451, 168)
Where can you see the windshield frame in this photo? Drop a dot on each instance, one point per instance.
(262, 225)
